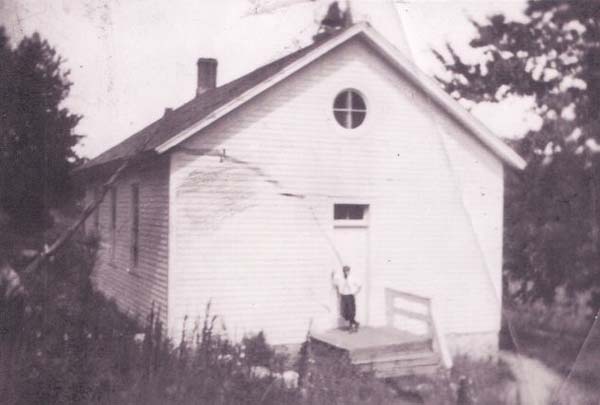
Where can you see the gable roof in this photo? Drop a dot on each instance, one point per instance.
(178, 125)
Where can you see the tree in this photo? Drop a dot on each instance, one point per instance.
(551, 225)
(36, 131)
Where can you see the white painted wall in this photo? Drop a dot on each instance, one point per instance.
(480, 177)
(265, 259)
(136, 290)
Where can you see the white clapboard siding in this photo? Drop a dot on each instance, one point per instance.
(136, 289)
(481, 180)
(264, 258)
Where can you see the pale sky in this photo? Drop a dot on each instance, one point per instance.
(130, 59)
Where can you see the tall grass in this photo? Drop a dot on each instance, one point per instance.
(73, 346)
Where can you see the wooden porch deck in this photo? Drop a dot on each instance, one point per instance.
(387, 351)
(370, 337)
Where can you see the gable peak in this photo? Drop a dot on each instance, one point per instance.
(383, 16)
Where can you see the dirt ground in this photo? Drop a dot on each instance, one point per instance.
(540, 385)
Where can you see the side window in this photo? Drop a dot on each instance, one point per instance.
(97, 211)
(113, 221)
(135, 224)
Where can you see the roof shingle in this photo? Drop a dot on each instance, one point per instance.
(195, 110)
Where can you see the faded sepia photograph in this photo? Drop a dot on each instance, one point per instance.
(299, 202)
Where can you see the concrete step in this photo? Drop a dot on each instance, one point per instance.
(416, 356)
(391, 349)
(402, 371)
(401, 364)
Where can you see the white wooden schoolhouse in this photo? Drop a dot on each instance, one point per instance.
(252, 193)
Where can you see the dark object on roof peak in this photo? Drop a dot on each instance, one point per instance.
(334, 20)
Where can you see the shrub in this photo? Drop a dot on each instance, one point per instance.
(258, 352)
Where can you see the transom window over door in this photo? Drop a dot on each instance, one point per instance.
(349, 109)
(350, 214)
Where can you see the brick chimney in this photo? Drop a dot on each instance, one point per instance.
(207, 75)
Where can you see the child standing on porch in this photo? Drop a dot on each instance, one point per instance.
(347, 287)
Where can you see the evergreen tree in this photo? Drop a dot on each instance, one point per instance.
(36, 131)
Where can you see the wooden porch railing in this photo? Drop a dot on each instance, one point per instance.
(427, 317)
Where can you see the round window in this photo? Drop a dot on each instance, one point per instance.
(349, 109)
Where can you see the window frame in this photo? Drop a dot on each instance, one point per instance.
(349, 109)
(96, 197)
(134, 245)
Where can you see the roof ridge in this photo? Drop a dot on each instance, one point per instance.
(201, 111)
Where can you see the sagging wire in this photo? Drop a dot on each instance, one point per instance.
(223, 156)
